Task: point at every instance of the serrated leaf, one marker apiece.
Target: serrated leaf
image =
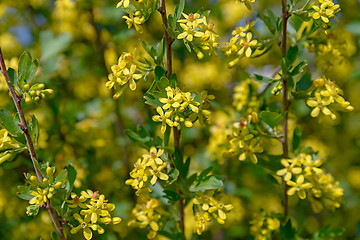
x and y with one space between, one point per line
12 126
271 118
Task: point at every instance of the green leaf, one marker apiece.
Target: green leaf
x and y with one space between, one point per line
34 129
296 138
54 236
304 83
292 54
13 76
207 183
271 118
171 195
186 168
285 65
270 20
72 173
326 233
179 9
264 79
173 80
287 232
24 193
178 160
12 126
27 68
167 136
290 83
298 69
62 176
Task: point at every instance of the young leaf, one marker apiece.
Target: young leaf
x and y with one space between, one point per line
12 126
292 54
179 9
27 68
271 118
62 176
34 129
179 160
13 76
24 193
171 195
207 183
72 173
263 79
304 83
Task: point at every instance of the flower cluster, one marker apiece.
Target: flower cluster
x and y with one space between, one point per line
42 191
128 70
241 44
247 3
327 94
7 145
65 15
94 212
207 206
243 143
324 12
304 176
199 33
141 12
147 213
147 170
36 92
182 108
244 97
263 226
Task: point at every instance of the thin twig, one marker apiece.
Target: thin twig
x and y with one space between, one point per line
169 41
286 103
23 125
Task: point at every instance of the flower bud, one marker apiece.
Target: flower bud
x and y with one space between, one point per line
45 180
58 185
26 87
50 195
34 179
51 189
49 172
116 220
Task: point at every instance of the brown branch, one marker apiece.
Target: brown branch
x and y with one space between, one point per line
169 41
286 103
23 125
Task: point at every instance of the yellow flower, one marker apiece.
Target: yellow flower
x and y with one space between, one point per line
221 210
189 32
77 201
131 76
291 167
247 3
191 20
136 21
299 186
124 3
319 104
326 11
246 45
173 98
86 225
155 155
95 210
201 218
163 118
156 173
40 196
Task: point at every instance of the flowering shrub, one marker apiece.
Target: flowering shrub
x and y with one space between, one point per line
156 119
